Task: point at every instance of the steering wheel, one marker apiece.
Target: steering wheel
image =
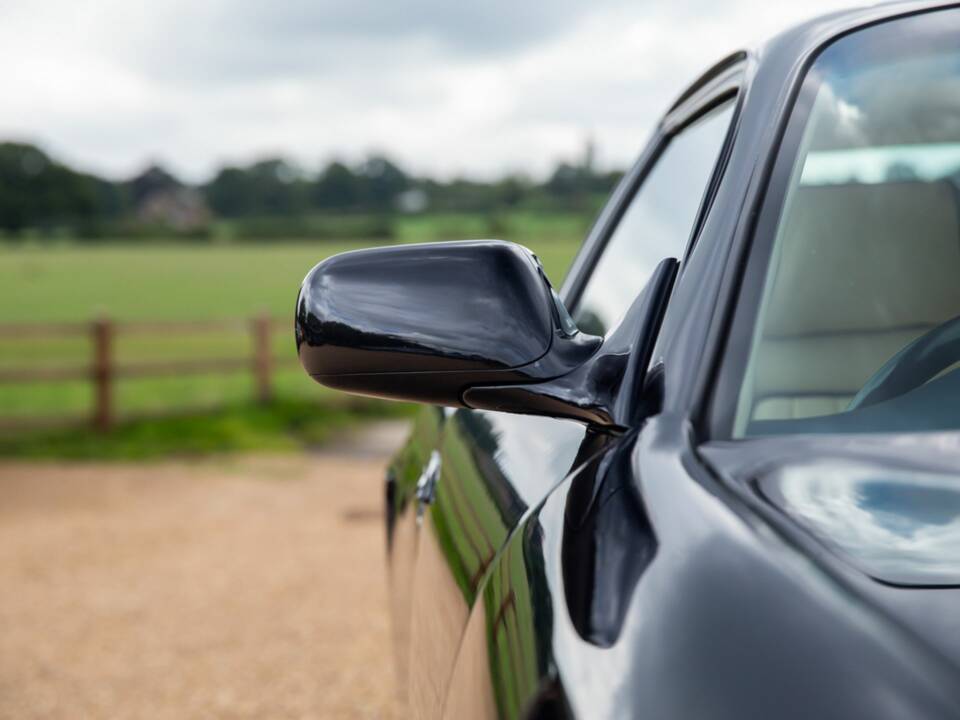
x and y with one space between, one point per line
921 360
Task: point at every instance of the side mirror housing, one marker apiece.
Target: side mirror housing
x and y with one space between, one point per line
468 324
427 322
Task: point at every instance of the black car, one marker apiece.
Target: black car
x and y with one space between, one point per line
718 474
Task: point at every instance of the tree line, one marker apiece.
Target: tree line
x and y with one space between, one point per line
43 197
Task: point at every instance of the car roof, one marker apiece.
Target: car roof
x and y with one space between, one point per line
802 39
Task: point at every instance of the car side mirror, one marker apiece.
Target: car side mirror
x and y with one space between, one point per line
464 324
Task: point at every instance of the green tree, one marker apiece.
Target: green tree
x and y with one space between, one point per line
381 182
272 186
35 191
337 187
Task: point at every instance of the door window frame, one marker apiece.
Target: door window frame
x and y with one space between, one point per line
721 84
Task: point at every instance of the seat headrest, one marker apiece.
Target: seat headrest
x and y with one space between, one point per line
865 258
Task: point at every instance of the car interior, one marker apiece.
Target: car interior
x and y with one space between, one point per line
860 271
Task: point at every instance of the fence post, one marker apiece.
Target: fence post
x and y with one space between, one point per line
262 360
102 335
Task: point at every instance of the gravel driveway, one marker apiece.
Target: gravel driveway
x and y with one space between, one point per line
234 587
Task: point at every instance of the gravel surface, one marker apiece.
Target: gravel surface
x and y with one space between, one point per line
236 587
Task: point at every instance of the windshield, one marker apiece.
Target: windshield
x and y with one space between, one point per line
857 326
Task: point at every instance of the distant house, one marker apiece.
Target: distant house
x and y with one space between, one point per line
160 199
181 209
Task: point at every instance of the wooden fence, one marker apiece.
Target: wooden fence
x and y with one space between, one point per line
103 370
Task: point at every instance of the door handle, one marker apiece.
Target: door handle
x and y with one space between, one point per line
427 484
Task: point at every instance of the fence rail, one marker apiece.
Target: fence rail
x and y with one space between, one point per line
103 371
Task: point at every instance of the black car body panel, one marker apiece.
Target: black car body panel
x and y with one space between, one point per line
724 621
917 590
628 565
495 469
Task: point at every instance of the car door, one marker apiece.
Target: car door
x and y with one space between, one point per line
468 478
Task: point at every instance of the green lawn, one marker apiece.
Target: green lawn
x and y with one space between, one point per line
169 281
176 281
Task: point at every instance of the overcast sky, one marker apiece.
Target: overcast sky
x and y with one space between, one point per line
446 87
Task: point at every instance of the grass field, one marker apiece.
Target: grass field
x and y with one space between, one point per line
175 281
166 281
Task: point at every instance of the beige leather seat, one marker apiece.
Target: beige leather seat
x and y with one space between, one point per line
861 271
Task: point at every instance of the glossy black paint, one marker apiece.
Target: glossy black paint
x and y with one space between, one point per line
565 570
472 324
607 541
719 624
603 390
495 468
427 322
899 559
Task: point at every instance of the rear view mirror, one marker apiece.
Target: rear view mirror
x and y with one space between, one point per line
427 322
470 324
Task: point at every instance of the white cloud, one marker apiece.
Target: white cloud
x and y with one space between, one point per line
894 524
111 85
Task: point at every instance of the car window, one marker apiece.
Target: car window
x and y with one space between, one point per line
856 329
656 224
